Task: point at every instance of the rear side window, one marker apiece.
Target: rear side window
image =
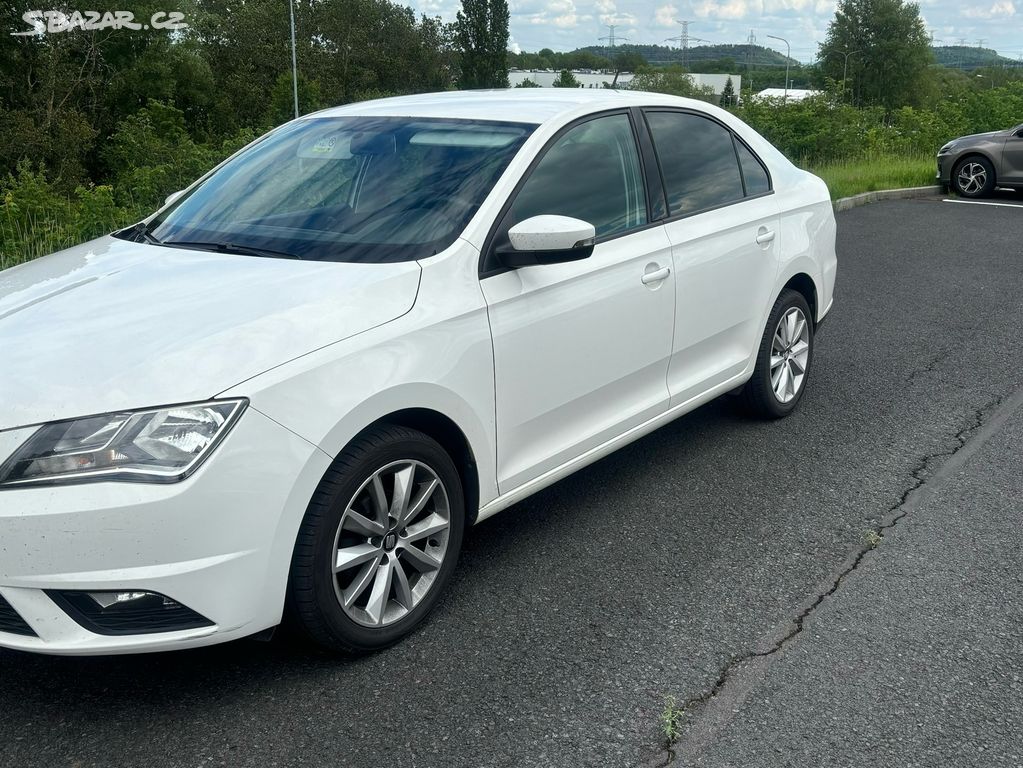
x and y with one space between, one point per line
697 160
591 173
757 180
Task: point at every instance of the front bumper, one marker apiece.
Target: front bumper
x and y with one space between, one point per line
944 175
219 542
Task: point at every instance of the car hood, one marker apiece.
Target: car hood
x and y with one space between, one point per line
111 324
981 136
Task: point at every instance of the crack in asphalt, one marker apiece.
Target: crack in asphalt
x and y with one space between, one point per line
924 474
931 366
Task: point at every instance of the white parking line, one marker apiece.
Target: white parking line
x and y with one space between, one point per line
981 202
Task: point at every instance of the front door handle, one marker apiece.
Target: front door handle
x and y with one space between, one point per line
656 275
764 236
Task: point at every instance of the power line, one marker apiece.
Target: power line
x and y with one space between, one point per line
610 37
684 40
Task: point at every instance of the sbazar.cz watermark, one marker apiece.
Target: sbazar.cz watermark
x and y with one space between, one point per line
52 22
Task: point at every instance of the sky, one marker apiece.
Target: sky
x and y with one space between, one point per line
563 25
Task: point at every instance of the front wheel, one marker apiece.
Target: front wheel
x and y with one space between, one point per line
974 177
379 541
783 359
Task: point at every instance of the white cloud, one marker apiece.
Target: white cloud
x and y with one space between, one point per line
721 9
997 9
666 15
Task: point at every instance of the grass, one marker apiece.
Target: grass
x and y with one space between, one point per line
851 177
671 720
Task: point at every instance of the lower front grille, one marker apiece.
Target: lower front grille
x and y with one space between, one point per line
11 622
127 613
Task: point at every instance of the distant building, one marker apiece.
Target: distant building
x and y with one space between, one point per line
795 94
589 78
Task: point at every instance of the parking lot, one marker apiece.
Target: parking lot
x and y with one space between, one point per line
720 561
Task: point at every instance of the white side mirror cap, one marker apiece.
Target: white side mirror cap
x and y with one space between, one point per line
551 233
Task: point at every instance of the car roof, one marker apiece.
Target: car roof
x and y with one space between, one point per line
518 105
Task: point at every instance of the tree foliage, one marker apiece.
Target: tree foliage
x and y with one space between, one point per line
673 80
481 38
888 52
566 80
727 94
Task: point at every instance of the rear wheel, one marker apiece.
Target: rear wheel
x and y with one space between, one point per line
379 541
974 177
783 359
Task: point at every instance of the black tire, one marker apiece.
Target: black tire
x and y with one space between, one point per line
312 604
758 397
984 189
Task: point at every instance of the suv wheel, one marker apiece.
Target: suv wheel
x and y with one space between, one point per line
974 177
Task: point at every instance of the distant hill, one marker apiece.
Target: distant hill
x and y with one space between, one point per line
735 58
967 57
758 56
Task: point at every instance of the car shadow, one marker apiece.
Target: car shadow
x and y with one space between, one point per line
111 685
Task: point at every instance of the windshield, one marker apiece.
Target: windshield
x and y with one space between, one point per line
360 189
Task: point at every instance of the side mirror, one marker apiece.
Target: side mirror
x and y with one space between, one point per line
173 196
547 240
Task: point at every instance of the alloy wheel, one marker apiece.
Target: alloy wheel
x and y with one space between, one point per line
391 543
790 354
972 178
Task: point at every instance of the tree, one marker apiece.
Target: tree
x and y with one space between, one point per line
883 48
527 83
673 80
566 80
481 38
627 61
727 94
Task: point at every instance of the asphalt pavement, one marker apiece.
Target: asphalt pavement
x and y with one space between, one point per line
724 562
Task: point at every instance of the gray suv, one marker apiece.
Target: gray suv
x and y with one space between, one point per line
972 166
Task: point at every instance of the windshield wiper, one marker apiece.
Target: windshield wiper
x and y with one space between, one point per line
142 230
243 250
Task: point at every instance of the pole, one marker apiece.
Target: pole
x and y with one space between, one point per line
788 57
294 57
845 72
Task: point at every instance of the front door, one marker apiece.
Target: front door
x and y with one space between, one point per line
581 349
1012 159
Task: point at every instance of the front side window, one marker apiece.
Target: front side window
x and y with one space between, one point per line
591 173
359 189
697 160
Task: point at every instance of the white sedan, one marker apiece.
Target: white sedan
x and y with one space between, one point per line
288 392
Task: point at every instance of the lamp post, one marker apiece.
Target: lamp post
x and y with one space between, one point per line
845 71
788 51
294 57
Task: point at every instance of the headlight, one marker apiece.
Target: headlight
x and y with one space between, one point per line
947 148
161 445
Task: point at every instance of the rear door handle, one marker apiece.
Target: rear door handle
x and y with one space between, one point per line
656 276
764 236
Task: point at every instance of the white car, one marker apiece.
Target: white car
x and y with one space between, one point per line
288 392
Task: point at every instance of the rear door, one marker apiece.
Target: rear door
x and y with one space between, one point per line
723 224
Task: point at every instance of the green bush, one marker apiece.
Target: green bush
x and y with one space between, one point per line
36 219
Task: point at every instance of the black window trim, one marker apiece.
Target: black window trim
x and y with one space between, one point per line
737 140
735 137
487 263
